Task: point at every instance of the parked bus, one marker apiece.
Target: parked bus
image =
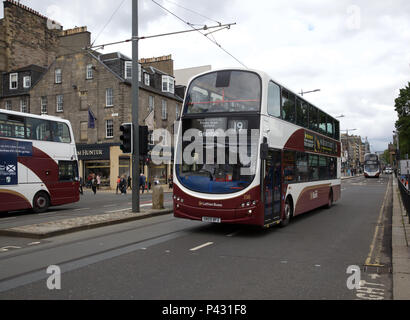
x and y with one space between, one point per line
286 163
372 166
38 162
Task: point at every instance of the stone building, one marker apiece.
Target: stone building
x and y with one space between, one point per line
29 38
16 86
93 91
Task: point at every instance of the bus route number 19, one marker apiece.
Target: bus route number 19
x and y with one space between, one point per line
226 310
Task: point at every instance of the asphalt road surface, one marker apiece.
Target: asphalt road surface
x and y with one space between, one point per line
168 258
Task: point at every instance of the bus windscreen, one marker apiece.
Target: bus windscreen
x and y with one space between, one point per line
224 91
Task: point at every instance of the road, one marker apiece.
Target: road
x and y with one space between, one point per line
166 258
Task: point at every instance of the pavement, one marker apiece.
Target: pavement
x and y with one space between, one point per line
60 227
400 247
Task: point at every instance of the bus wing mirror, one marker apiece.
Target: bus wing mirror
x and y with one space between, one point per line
264 151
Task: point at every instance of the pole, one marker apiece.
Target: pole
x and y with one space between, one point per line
135 108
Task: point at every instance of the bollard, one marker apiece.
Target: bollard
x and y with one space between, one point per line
157 198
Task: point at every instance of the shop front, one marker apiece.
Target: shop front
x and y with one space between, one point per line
95 159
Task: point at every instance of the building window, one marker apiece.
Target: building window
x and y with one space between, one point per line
84 130
58 76
44 108
8 105
164 110
89 74
146 79
60 103
14 81
109 97
26 82
168 84
109 129
151 104
128 69
23 105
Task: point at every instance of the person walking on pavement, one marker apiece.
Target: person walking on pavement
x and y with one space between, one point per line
123 185
94 184
129 182
81 185
98 181
143 180
118 184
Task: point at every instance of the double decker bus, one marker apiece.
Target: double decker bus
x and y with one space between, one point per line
38 162
371 165
249 151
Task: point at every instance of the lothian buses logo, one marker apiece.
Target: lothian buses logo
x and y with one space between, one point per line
210 204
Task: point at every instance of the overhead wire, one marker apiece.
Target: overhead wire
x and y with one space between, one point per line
191 25
108 22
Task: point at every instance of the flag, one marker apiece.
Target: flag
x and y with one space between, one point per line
91 119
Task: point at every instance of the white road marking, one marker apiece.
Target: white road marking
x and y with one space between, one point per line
233 234
202 246
5 249
34 243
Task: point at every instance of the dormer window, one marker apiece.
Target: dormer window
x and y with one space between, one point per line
168 84
27 82
14 77
146 79
128 69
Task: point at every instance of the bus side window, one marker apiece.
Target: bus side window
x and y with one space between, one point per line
274 100
289 166
288 106
313 118
313 167
61 132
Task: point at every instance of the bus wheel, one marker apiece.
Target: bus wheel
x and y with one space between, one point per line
330 200
41 202
288 213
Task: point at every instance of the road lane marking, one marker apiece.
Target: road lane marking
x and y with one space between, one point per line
376 233
34 243
5 249
201 246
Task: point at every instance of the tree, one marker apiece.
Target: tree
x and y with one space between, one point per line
403 124
385 157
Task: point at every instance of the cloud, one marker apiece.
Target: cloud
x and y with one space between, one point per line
356 52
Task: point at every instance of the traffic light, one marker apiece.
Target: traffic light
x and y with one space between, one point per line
143 140
126 138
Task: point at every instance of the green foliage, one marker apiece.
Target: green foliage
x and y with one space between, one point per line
385 157
403 124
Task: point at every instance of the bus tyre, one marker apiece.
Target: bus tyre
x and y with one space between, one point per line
288 214
41 202
330 200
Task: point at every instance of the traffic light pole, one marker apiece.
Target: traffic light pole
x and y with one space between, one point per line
135 108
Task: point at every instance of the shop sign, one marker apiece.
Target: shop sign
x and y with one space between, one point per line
93 152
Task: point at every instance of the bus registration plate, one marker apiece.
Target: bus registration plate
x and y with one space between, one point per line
211 220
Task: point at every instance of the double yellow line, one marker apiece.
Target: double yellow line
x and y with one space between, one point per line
379 227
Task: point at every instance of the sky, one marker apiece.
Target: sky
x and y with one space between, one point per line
355 52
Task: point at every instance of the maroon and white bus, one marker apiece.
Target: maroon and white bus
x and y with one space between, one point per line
38 162
293 150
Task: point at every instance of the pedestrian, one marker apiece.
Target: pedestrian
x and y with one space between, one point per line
81 185
129 182
143 180
98 181
118 184
171 182
94 184
123 185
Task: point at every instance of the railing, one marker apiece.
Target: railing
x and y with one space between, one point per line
405 192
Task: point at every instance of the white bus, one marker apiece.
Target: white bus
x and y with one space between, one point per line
296 152
38 162
372 166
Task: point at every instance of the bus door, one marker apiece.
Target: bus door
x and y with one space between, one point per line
272 186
